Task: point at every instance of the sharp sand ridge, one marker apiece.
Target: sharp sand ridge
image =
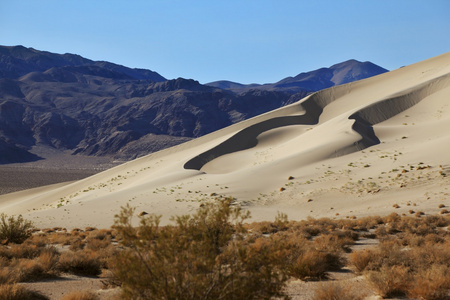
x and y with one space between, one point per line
353 150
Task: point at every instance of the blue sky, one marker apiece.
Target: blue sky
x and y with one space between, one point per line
247 41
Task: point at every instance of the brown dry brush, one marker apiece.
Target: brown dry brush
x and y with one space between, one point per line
414 263
205 256
37 258
18 292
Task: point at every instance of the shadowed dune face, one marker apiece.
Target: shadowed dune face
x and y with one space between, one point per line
247 138
313 106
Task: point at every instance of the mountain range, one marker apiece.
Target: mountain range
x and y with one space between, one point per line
71 103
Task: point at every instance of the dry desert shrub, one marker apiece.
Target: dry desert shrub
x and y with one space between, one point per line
335 291
281 223
14 230
104 255
368 223
309 265
79 263
49 259
420 270
390 281
98 240
81 295
20 251
301 258
78 244
63 238
431 284
21 270
18 292
361 259
335 242
5 275
203 257
40 240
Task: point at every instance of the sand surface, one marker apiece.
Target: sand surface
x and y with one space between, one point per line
353 150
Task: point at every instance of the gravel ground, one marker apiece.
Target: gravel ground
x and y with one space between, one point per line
13 179
55 167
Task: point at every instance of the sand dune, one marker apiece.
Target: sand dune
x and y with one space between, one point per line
352 150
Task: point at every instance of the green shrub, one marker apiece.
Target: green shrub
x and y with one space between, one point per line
14 230
205 256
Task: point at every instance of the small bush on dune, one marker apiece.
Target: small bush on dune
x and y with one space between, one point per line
14 230
18 292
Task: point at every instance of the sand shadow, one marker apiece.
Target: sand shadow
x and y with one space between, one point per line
313 105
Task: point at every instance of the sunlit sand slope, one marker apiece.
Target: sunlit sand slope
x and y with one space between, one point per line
375 146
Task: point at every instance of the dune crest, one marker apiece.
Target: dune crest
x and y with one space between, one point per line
354 149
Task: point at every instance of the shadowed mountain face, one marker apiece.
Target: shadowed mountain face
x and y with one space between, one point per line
98 108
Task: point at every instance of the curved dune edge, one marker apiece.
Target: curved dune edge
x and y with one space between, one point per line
351 150
313 105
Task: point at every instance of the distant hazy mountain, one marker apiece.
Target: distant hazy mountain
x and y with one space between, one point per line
99 108
312 81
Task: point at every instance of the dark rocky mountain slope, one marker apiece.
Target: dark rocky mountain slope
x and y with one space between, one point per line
74 104
345 72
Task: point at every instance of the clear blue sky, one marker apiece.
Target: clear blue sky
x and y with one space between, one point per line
245 41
